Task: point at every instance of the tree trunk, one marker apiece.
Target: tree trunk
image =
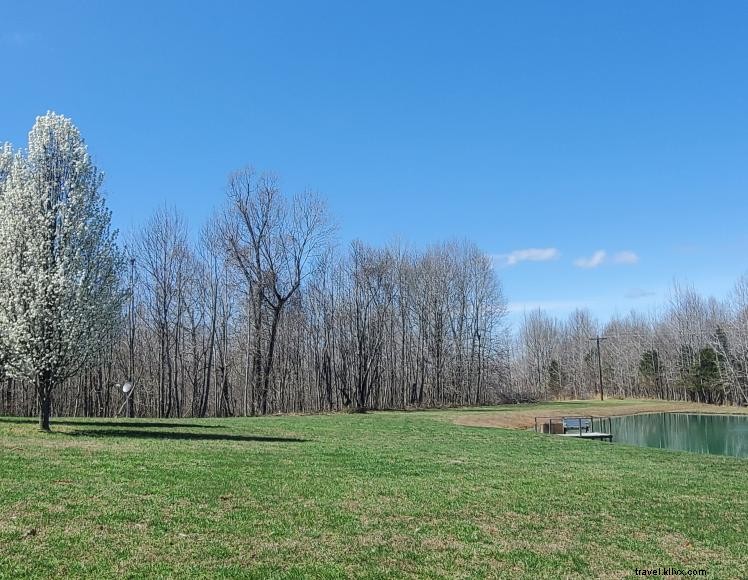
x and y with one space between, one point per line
44 412
269 361
45 401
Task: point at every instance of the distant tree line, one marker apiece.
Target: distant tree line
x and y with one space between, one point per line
264 312
694 349
264 315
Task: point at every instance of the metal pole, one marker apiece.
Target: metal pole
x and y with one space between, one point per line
600 368
131 361
597 339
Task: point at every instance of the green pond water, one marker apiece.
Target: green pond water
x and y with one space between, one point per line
720 434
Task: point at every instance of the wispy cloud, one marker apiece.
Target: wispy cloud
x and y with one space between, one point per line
526 255
595 260
625 257
636 293
600 257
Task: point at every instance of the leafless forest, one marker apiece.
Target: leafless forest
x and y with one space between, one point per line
694 348
265 312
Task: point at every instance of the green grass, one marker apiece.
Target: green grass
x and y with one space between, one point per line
382 495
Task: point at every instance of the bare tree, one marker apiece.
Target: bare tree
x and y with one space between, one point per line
163 256
275 242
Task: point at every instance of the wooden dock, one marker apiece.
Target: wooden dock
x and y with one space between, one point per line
590 435
580 427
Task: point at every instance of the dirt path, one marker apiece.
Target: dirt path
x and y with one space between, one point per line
524 417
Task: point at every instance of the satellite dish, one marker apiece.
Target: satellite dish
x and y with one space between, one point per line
127 387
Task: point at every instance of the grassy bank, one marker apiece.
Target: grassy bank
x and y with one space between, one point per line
523 416
376 495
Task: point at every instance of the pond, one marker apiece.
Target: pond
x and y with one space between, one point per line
719 434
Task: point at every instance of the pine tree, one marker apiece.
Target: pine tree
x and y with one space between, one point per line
59 262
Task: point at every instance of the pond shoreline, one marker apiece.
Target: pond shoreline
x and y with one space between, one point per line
524 416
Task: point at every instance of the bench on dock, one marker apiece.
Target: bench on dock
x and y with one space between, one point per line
582 427
581 424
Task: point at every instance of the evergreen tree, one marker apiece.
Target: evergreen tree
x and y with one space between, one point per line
650 370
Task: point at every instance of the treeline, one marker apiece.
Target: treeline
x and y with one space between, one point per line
263 314
695 349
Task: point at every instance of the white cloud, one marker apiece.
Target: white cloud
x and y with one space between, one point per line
625 257
593 261
527 255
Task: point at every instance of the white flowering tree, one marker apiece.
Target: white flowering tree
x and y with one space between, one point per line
59 262
7 158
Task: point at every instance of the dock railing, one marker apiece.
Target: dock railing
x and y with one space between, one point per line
583 426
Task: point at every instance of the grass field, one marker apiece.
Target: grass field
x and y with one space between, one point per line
381 495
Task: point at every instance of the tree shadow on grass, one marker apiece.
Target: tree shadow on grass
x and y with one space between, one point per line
105 423
181 436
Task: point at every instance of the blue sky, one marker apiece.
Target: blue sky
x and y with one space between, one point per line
567 128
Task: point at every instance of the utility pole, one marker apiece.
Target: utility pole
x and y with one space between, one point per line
598 339
131 340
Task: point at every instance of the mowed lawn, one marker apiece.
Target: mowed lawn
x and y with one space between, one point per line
381 495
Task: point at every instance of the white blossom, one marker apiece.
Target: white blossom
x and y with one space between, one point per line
59 261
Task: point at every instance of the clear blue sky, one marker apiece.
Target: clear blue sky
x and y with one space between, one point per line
569 127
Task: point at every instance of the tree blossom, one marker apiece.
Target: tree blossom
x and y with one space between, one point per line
59 262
